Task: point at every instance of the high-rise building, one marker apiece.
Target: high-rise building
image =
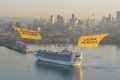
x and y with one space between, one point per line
60 20
59 24
73 21
36 23
118 15
117 18
110 18
51 20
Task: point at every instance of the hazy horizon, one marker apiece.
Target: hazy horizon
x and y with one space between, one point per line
44 8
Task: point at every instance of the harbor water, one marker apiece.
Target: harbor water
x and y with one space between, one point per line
100 63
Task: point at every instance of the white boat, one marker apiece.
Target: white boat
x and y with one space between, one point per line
64 57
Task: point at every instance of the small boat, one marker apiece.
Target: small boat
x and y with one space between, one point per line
64 57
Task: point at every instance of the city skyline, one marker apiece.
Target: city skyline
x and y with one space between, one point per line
44 8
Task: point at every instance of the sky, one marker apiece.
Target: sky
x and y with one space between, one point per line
44 8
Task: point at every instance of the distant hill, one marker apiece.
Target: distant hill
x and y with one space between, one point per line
17 19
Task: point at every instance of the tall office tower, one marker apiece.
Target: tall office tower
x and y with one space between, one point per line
73 21
51 20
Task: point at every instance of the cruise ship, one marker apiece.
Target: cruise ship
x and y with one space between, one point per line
64 57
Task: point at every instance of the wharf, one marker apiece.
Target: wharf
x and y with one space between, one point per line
7 39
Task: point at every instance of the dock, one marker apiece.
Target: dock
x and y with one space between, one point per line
7 39
12 42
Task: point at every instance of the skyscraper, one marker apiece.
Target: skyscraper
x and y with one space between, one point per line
118 18
72 21
51 20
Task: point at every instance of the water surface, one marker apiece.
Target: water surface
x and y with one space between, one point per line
101 63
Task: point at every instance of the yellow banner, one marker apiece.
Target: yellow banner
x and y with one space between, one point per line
90 41
30 34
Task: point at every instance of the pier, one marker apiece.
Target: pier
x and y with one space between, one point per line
7 39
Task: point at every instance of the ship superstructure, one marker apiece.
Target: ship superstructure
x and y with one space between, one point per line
64 57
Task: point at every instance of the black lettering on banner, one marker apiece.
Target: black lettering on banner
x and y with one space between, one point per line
22 32
89 41
33 33
30 33
83 43
93 39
